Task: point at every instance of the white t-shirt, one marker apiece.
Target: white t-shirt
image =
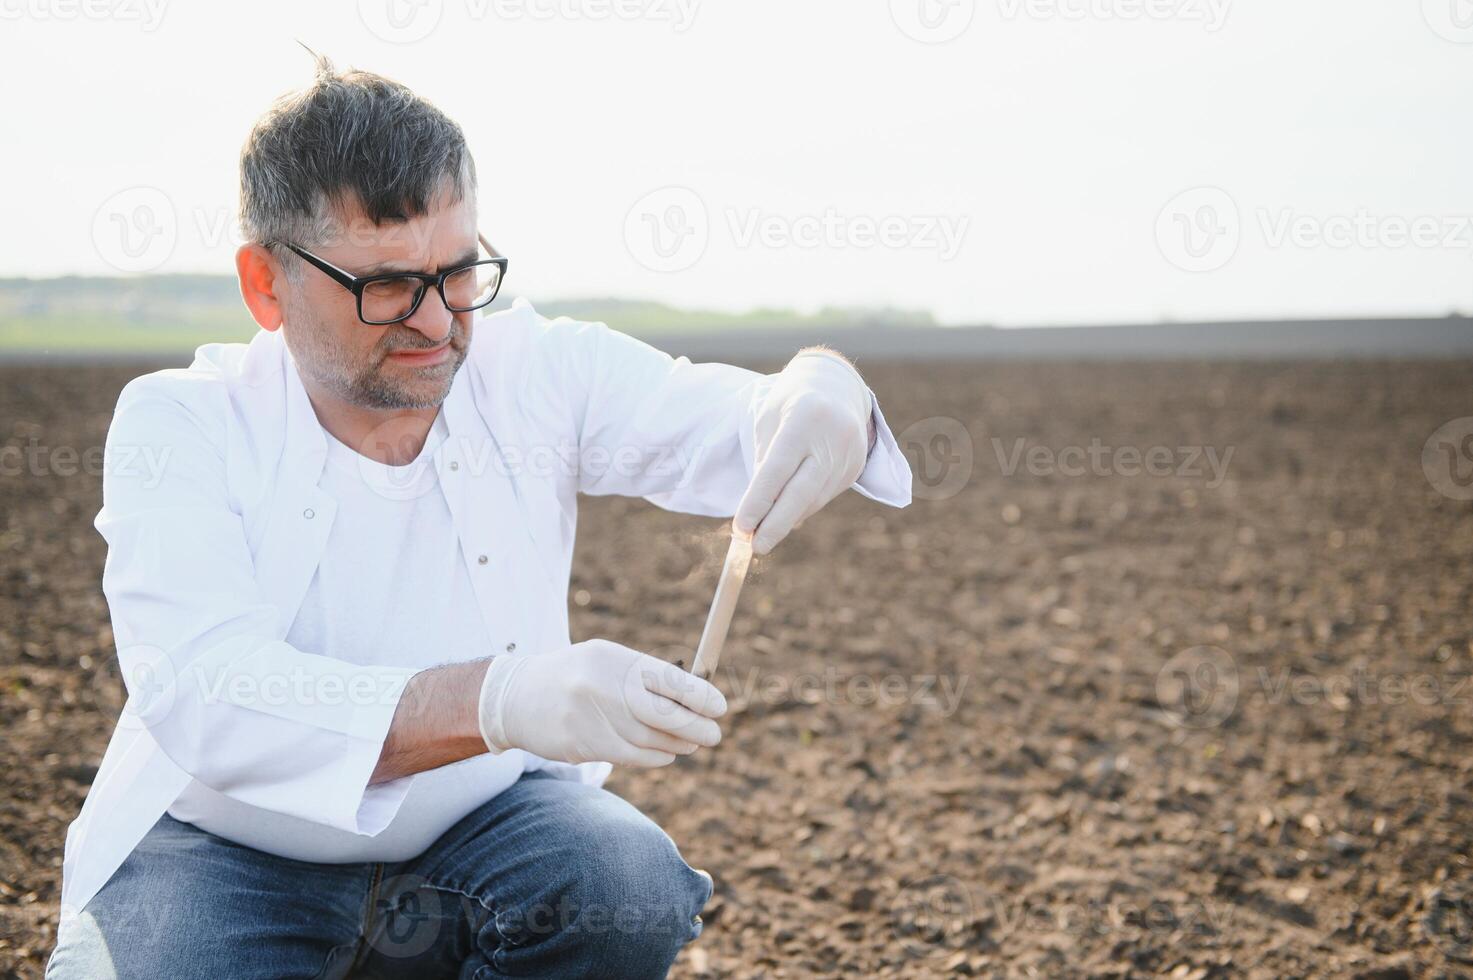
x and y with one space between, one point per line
393 589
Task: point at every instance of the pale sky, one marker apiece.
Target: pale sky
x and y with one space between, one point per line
1014 162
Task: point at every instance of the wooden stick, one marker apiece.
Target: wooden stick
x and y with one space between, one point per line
718 620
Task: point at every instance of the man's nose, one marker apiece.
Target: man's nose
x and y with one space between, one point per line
432 318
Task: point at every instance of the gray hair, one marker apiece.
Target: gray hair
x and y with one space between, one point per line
352 136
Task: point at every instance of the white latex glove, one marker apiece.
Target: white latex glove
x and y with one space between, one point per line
597 701
812 440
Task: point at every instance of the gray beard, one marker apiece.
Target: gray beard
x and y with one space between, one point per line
367 387
370 389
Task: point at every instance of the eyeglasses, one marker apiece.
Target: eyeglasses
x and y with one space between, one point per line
394 296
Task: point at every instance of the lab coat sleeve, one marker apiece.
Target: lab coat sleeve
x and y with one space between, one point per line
680 434
226 699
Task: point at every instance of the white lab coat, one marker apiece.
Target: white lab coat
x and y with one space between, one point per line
211 552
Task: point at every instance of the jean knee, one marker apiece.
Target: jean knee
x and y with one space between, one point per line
81 951
638 900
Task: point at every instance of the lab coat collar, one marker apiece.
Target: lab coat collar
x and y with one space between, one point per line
306 442
294 535
296 532
305 449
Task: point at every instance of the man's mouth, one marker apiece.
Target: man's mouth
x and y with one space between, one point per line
422 357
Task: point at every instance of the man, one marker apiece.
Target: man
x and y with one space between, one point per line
358 740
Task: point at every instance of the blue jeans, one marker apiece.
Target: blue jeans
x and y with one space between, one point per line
551 878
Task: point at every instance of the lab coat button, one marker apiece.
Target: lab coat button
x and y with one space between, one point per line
309 513
454 465
511 648
482 560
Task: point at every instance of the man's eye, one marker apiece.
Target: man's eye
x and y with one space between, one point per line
391 287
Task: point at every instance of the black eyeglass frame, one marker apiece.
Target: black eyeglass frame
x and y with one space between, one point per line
356 284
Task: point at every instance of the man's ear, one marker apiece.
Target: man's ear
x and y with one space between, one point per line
260 277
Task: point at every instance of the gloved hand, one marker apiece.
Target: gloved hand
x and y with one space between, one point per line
812 441
597 701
